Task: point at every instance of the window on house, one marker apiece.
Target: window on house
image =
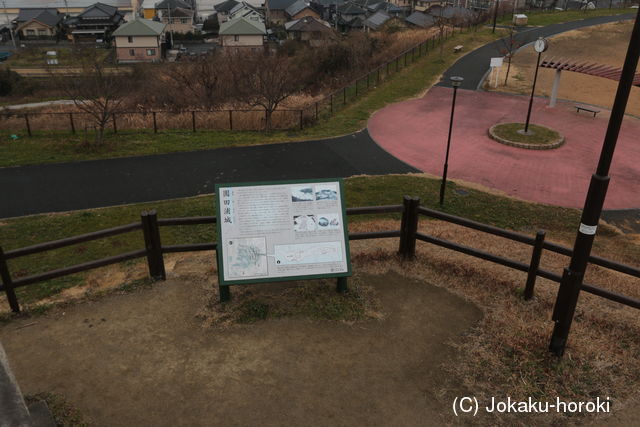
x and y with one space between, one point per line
31 32
130 39
42 32
183 20
151 52
132 52
236 38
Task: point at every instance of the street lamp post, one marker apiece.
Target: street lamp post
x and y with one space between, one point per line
572 277
455 82
495 15
540 46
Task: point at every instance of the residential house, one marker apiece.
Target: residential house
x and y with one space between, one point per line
178 15
381 20
223 9
327 8
351 17
140 40
420 20
247 11
452 15
390 8
276 11
300 9
310 30
37 23
96 22
242 34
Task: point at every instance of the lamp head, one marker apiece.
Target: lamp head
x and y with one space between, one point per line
456 81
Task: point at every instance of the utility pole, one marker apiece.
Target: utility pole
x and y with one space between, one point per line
6 15
573 276
495 15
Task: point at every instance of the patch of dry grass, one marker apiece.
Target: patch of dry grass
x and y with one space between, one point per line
506 355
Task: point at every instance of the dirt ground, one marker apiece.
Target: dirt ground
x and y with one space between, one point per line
145 359
150 357
602 44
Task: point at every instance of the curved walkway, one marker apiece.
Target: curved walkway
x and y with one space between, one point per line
416 131
97 183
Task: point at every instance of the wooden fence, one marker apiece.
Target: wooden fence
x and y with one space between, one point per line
410 209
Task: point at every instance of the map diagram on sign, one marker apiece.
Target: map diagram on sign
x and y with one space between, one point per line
246 257
307 253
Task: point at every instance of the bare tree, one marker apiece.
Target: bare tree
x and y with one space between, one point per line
204 82
98 89
266 80
511 45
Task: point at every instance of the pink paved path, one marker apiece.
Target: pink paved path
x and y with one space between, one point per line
415 131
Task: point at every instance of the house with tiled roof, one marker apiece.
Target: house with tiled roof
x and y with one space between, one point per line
310 30
140 40
37 23
420 20
300 9
275 11
96 22
242 34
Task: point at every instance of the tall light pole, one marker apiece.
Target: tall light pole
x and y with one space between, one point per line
540 46
495 15
455 82
572 277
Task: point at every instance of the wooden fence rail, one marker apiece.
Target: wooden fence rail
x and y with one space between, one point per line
408 234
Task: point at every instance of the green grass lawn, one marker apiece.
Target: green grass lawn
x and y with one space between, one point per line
61 146
37 57
541 19
488 208
538 134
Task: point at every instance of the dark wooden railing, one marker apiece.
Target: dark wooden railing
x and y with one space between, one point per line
410 210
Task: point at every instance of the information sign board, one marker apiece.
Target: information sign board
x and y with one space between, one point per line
278 231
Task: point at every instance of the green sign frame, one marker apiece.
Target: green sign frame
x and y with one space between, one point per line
220 247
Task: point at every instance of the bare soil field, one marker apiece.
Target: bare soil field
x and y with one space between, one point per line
602 44
440 327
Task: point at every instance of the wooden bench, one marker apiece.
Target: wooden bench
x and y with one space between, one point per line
457 49
588 109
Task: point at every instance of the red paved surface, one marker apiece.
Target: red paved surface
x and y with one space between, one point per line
415 131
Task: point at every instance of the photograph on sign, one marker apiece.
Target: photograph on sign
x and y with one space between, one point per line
281 231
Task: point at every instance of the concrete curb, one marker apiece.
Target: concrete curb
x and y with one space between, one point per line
547 146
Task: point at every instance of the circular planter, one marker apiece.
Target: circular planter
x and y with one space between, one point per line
540 138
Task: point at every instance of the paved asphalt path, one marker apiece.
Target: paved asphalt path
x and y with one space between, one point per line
475 65
89 184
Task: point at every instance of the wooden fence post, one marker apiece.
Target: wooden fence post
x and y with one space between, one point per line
155 123
8 284
300 119
152 243
115 127
533 265
408 227
73 126
26 119
230 119
193 120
